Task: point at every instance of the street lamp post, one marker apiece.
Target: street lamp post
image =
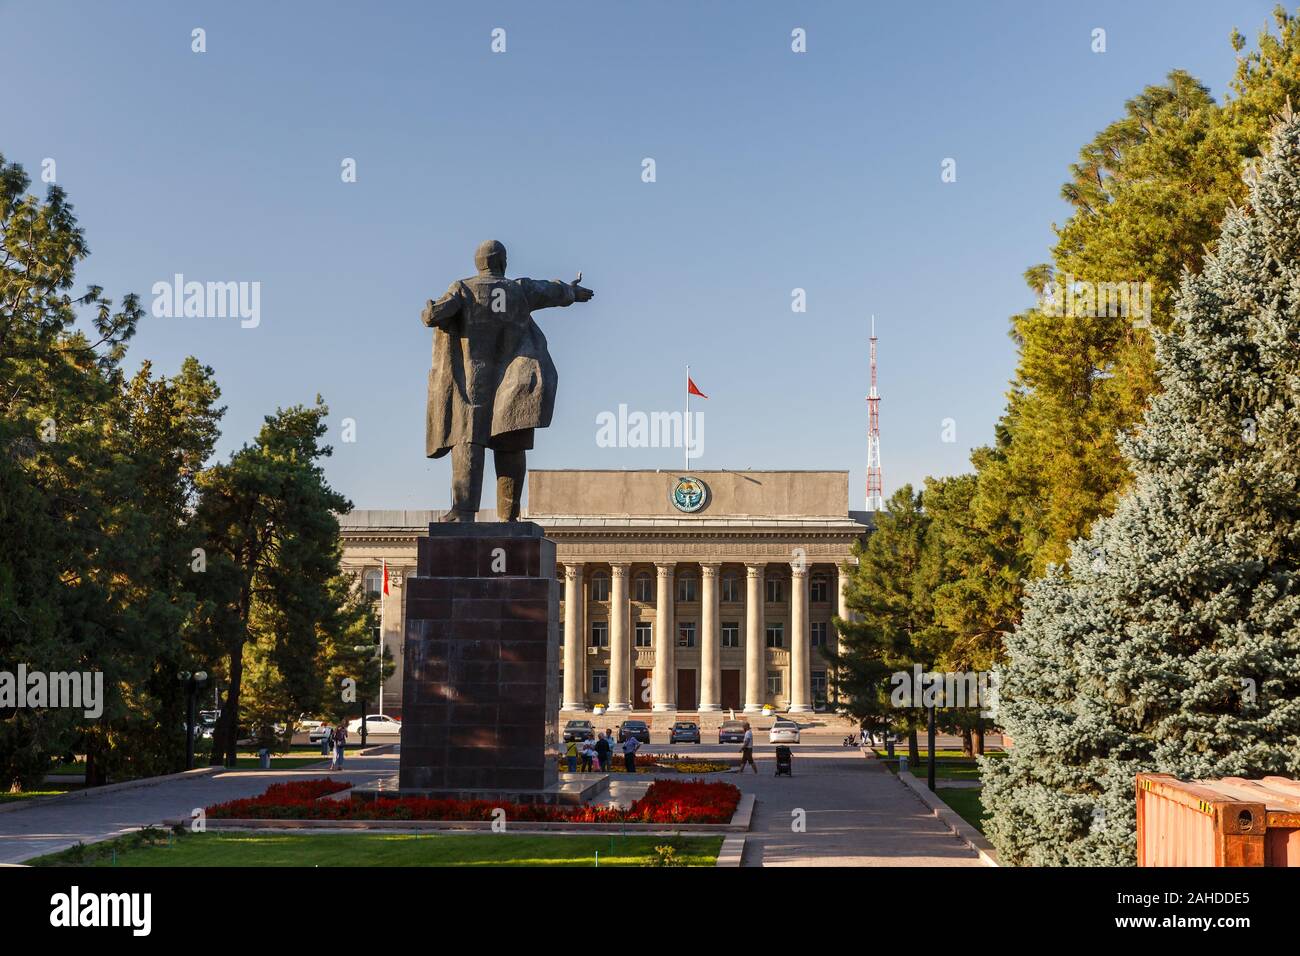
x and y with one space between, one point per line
929 737
192 682
360 648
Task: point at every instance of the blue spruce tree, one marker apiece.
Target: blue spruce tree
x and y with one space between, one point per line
1170 640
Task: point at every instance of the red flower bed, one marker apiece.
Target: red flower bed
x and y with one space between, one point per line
667 801
280 801
687 801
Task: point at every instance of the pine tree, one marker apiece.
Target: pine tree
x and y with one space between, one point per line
1170 642
890 592
269 523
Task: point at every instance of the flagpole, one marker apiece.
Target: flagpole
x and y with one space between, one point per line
382 595
688 419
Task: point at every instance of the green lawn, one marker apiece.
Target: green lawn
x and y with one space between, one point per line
943 769
28 794
966 802
155 848
302 757
948 764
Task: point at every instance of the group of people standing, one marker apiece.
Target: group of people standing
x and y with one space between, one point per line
597 753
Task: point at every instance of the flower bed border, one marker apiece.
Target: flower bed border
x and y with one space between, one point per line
739 822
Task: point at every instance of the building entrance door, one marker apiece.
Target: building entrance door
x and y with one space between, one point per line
641 684
730 690
686 689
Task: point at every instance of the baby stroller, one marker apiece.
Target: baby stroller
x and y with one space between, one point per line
783 762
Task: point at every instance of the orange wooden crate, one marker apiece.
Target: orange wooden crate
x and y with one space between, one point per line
1228 822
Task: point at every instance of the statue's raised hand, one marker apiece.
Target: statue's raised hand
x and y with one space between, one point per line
579 293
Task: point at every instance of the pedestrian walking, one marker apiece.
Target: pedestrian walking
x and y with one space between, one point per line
340 741
588 752
602 753
747 750
630 747
571 756
327 741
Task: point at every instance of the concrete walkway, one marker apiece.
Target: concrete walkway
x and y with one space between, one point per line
856 814
58 824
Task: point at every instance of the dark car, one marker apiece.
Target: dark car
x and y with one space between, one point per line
731 732
634 728
684 732
579 730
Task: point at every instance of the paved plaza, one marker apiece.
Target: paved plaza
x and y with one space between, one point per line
856 813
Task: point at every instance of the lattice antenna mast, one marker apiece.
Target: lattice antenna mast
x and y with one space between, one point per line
875 483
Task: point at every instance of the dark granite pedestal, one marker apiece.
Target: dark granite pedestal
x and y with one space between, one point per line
480 688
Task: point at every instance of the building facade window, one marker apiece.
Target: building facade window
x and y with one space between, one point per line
776 635
600 634
599 681
645 634
730 634
774 683
373 582
819 589
819 631
645 588
600 586
686 634
731 588
775 591
686 589
818 682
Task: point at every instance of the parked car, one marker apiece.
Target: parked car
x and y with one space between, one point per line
377 725
731 732
317 734
783 732
684 732
579 730
307 724
634 728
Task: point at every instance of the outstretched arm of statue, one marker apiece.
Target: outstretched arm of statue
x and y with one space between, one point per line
440 314
544 294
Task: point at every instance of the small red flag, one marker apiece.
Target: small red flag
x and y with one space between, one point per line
692 390
385 575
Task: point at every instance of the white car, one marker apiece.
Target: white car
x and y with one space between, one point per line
783 732
377 725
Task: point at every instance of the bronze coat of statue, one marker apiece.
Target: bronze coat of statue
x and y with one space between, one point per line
492 380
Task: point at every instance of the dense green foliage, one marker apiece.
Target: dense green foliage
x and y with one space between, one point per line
1170 642
105 495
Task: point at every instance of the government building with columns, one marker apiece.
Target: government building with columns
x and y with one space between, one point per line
702 593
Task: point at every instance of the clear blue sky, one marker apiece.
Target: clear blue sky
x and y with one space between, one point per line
775 171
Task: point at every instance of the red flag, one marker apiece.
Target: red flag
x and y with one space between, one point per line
692 390
385 575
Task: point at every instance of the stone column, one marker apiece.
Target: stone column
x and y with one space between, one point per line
665 675
842 579
800 677
845 614
393 628
620 650
710 640
755 678
574 646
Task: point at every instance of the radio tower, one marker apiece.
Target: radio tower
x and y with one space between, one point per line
875 485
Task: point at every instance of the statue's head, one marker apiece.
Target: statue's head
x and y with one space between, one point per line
490 258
